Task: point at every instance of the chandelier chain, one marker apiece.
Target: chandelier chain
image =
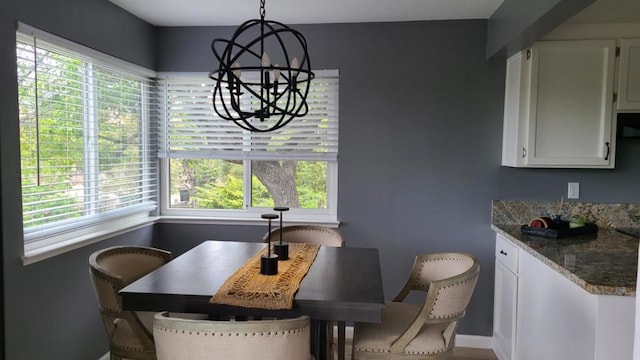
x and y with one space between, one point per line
262 11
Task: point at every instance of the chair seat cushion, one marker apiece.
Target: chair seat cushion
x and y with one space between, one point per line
396 317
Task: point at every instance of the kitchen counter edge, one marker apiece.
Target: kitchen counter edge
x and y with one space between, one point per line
591 288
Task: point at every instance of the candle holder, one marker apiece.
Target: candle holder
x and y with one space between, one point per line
269 262
281 248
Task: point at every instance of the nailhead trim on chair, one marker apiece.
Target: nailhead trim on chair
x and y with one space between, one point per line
286 230
116 252
438 297
417 285
128 251
267 333
406 352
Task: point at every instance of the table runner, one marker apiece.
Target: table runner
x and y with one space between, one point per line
248 288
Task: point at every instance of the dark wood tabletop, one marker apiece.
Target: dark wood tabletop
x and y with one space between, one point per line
343 284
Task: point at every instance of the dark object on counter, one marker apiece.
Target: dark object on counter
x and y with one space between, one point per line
562 230
631 231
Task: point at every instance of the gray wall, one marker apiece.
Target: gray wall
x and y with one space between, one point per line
619 185
420 142
49 308
420 134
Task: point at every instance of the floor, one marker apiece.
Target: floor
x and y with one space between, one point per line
459 354
473 354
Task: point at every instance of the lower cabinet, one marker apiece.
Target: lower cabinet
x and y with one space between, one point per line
505 299
504 313
540 314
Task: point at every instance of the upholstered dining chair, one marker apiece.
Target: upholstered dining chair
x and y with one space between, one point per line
307 234
188 339
427 330
316 235
130 333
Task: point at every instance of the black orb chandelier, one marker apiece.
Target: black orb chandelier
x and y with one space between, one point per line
271 100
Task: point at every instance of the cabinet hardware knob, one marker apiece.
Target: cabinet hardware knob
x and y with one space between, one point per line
524 153
606 157
503 252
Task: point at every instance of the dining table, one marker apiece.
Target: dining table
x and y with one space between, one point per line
342 284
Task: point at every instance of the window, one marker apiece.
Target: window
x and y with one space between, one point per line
85 140
216 169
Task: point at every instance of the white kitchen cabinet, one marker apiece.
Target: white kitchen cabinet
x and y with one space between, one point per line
558 317
559 105
540 314
629 75
505 300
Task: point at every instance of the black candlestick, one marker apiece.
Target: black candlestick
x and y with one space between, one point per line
282 249
269 262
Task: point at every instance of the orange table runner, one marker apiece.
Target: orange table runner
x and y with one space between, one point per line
248 288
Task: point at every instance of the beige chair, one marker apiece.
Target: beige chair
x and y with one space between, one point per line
427 330
316 235
307 234
112 269
187 339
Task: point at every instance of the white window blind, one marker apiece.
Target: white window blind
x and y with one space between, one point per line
191 130
85 137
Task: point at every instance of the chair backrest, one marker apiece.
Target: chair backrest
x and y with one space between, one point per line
307 234
286 339
113 268
449 279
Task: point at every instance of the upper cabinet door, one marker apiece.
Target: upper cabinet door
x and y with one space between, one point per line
629 80
571 104
559 105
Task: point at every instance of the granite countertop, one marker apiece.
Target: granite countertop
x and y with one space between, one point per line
605 263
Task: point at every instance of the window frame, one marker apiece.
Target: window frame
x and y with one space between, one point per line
43 242
249 215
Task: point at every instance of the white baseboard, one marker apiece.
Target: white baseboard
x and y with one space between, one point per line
474 341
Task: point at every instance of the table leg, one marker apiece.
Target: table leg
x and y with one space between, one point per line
341 336
319 341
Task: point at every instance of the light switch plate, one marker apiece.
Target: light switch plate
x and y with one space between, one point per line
573 191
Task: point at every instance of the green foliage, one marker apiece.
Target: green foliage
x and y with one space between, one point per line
260 196
311 180
217 184
224 194
70 135
211 183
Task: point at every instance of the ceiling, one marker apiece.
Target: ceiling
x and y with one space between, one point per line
609 11
234 12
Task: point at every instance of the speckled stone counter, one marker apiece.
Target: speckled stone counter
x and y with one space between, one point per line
602 264
605 263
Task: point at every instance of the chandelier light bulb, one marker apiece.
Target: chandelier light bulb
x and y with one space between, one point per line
276 73
265 60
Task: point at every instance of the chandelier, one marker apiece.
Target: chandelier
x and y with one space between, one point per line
257 91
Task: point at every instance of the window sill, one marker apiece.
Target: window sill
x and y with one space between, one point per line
35 253
239 221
